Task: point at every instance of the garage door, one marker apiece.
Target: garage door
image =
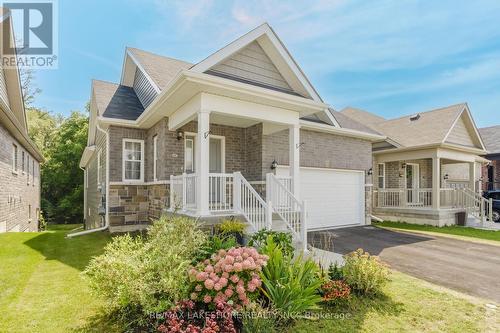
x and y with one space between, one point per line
334 197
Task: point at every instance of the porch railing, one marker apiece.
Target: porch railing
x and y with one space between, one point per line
250 204
220 192
290 210
183 191
403 198
462 198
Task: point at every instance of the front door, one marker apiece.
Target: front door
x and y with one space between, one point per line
412 182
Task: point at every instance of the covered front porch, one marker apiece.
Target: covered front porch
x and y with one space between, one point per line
428 186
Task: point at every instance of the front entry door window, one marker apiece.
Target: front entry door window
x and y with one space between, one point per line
412 182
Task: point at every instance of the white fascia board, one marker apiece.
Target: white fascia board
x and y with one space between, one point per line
341 131
450 146
86 155
312 105
248 110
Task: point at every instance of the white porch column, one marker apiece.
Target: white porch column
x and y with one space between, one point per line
294 140
472 176
202 161
436 182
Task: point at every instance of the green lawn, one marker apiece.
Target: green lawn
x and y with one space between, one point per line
42 291
490 235
41 286
409 305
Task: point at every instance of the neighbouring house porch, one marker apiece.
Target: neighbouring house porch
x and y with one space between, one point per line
428 187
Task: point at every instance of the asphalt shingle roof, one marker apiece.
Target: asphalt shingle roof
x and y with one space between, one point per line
431 127
116 101
161 69
491 138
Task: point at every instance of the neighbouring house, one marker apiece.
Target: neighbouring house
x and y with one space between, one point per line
491 171
241 133
19 157
429 167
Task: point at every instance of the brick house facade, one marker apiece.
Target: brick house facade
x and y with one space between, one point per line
153 125
19 157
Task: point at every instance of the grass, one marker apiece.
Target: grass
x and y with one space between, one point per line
409 305
490 235
43 291
41 286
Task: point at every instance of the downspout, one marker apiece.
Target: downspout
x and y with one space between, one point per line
106 218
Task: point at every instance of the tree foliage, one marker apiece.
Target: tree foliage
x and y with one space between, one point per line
62 178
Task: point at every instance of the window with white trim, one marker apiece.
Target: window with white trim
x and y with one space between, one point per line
189 154
14 158
381 175
22 161
99 166
27 169
133 160
155 157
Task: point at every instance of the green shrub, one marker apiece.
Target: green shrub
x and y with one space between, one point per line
335 272
289 284
141 275
364 273
231 226
212 245
282 239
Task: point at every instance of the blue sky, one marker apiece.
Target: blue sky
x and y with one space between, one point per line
388 57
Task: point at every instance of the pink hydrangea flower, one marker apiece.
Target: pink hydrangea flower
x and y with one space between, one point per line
198 288
228 292
217 286
209 284
207 299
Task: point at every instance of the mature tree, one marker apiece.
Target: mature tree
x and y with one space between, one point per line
62 179
42 127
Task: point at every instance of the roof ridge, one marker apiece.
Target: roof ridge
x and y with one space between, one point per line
158 55
488 127
106 81
428 111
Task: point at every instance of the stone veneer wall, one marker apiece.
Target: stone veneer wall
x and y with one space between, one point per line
18 191
128 204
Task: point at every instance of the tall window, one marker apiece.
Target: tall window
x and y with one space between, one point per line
99 153
155 157
133 160
33 174
14 158
189 154
27 168
381 175
22 161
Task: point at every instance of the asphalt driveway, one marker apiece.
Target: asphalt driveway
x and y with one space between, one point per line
464 266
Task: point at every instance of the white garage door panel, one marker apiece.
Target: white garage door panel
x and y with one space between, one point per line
334 197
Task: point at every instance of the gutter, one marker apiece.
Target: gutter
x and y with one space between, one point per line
106 217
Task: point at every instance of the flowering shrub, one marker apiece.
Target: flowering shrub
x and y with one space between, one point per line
231 275
185 318
364 272
335 292
141 275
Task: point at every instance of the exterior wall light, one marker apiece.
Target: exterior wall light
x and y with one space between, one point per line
274 165
403 165
446 177
370 172
180 135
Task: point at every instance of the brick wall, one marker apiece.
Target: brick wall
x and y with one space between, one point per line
116 136
320 150
393 170
19 192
